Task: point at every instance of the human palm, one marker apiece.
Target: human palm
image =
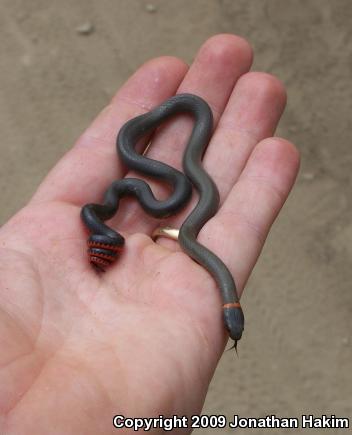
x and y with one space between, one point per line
144 338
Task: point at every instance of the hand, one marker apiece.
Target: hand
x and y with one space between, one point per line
144 338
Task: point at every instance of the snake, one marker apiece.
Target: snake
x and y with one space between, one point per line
105 244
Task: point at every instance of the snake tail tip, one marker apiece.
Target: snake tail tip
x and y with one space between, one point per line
102 253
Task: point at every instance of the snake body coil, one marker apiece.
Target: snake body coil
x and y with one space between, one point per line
104 244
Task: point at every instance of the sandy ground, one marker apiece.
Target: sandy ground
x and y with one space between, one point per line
296 357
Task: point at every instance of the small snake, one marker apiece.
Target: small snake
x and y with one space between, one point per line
104 244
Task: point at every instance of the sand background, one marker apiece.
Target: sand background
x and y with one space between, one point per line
296 357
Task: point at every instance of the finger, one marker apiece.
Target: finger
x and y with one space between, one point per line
238 231
252 114
213 74
85 172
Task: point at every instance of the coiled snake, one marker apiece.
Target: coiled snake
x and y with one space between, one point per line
105 244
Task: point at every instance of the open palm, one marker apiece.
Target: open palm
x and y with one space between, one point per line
144 338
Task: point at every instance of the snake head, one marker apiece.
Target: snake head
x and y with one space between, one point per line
234 320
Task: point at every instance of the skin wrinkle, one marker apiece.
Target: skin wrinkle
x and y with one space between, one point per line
142 108
16 320
16 250
99 145
150 300
263 85
157 70
133 289
221 180
101 153
87 309
235 133
162 157
264 183
20 329
230 130
19 217
109 134
83 366
35 380
153 273
93 294
40 365
174 127
242 221
18 357
95 147
130 218
114 287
